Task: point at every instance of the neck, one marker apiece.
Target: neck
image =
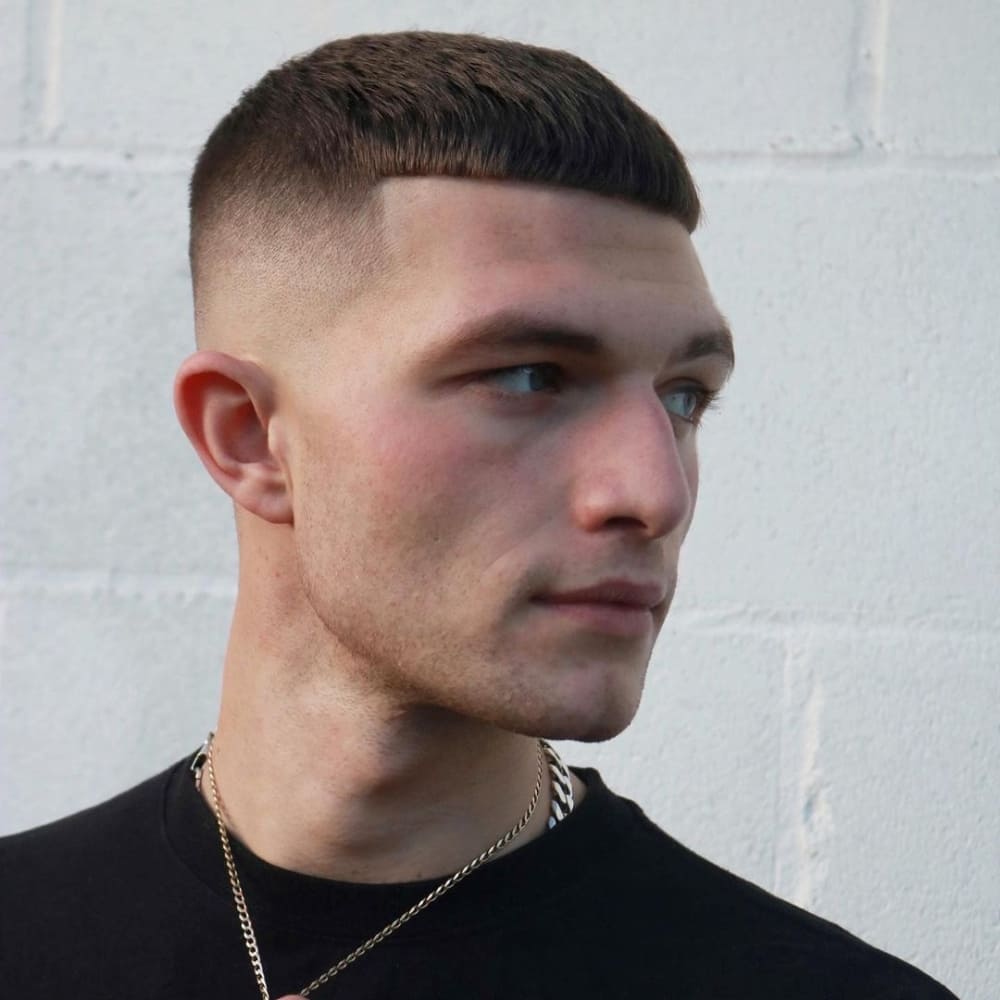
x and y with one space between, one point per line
322 775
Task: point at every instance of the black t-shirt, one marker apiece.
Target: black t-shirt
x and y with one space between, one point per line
130 899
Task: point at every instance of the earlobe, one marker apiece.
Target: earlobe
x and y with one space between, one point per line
226 407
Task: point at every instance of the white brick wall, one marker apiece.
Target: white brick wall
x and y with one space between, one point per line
821 713
942 78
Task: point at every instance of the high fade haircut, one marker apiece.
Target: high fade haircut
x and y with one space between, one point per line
301 153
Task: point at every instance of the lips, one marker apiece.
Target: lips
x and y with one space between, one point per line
619 592
622 608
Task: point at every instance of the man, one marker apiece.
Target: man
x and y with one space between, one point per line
454 344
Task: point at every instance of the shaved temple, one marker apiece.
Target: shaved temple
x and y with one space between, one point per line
268 278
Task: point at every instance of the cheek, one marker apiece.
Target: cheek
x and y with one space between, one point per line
690 466
438 480
418 464
691 470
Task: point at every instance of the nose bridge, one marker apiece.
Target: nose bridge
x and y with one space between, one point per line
631 467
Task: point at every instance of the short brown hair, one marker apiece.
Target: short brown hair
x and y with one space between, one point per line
319 132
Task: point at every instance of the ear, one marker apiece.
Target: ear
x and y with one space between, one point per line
226 407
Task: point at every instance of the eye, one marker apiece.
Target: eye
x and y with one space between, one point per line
525 380
689 402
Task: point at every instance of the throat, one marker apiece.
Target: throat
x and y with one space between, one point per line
393 832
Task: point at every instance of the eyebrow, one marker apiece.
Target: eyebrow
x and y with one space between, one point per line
713 343
514 330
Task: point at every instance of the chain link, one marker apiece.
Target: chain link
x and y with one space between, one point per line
234 880
243 913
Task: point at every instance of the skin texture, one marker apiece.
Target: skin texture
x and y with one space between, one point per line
403 505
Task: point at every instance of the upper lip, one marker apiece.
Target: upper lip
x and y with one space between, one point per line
617 591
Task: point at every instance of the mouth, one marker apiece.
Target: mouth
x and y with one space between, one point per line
613 607
624 620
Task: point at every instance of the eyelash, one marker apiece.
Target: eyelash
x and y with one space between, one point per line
708 399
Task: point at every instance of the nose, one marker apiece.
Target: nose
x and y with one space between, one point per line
634 469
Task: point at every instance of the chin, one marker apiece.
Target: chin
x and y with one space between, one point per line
585 720
589 728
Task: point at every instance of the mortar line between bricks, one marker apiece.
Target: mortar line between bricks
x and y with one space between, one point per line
866 81
880 56
778 833
114 582
867 160
52 92
790 624
98 160
33 80
814 820
798 857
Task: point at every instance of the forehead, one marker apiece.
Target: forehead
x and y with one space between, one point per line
460 224
457 250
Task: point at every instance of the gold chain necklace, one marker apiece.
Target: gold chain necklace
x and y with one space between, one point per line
250 939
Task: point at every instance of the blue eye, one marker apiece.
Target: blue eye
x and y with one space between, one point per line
684 402
526 380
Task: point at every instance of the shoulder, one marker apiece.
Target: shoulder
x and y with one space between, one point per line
68 857
729 930
95 893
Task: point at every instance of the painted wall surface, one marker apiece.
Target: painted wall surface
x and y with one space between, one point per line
821 714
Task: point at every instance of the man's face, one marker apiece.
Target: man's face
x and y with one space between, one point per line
509 419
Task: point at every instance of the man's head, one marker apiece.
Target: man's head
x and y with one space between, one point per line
455 343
